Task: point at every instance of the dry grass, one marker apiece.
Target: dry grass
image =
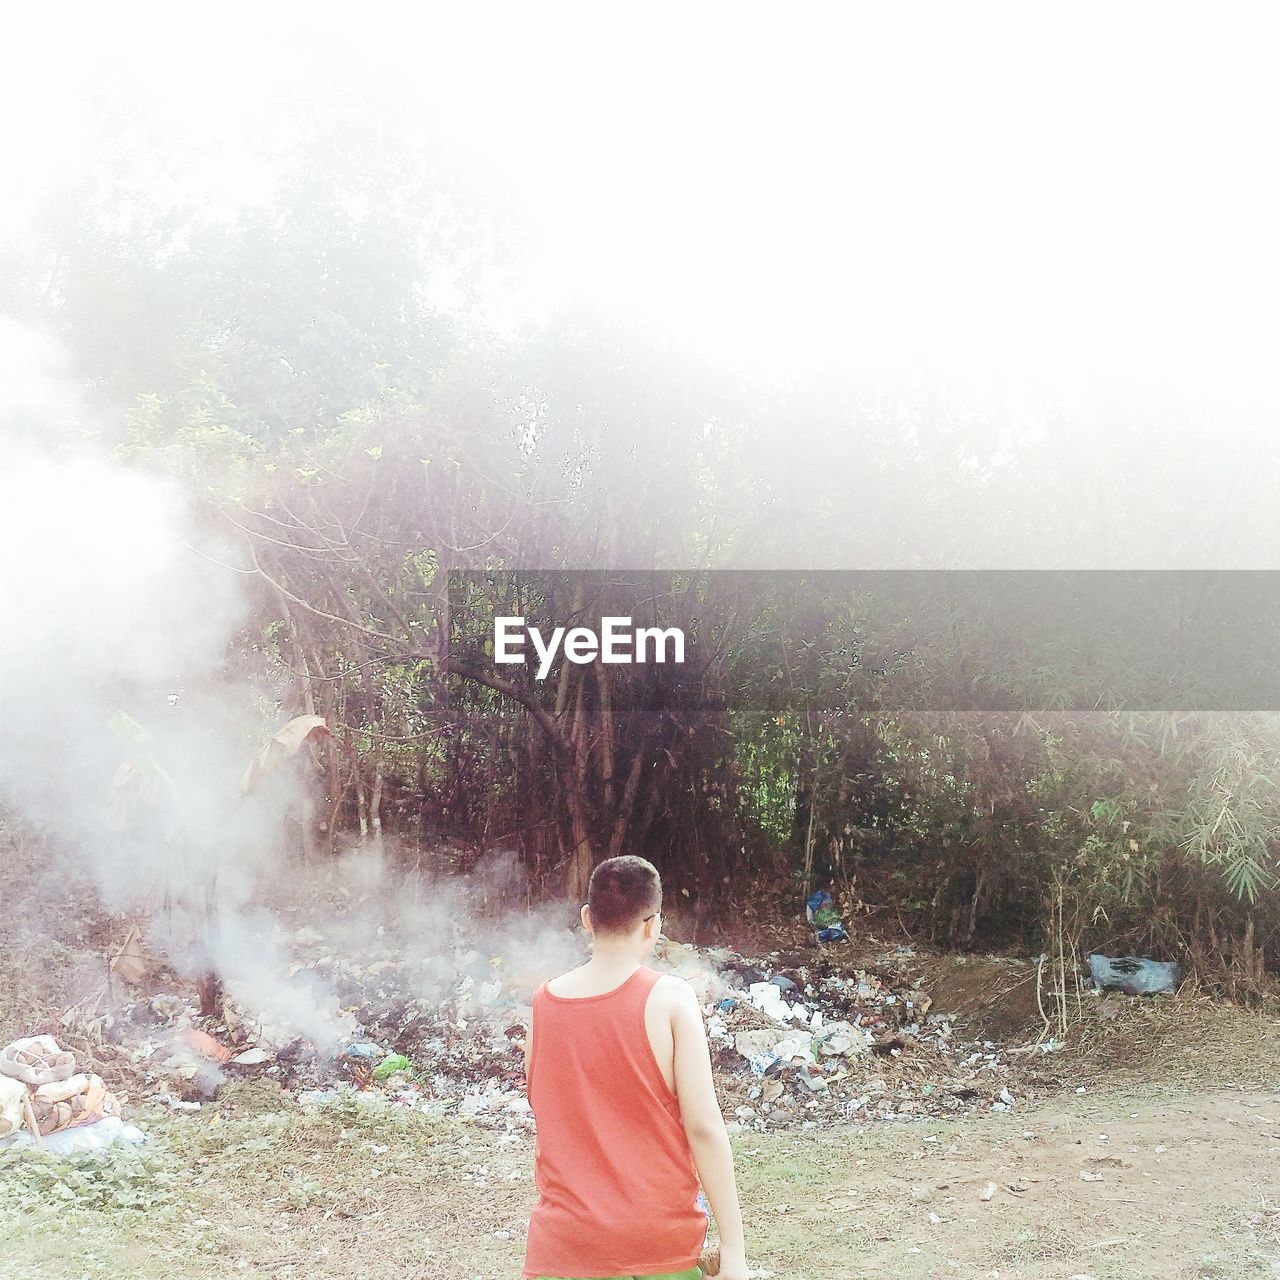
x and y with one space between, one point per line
1190 1039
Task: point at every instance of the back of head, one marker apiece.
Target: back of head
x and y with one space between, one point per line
622 892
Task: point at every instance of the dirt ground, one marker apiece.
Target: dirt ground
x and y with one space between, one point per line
1172 1180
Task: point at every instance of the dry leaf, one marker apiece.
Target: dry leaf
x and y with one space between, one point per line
283 745
131 962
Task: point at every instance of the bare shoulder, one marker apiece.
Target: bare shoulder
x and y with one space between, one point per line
674 994
566 984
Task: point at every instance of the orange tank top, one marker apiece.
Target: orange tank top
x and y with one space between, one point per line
617 1187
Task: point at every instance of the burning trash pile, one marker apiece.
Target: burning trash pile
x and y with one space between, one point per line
455 1043
46 1103
439 1033
437 1059
794 1040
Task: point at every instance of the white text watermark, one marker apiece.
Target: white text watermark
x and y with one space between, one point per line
617 642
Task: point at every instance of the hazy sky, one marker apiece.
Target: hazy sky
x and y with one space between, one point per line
1032 202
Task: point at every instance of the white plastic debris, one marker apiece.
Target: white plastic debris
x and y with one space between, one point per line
762 1048
843 1038
317 1097
177 1104
768 999
108 1132
13 1094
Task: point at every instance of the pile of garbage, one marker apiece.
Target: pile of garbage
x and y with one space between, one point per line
441 1033
797 1039
813 1041
435 1018
45 1102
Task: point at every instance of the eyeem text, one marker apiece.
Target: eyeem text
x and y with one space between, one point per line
618 641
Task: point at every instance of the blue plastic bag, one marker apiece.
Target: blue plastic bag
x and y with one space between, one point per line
822 914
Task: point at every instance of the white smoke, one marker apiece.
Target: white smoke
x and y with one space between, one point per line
116 601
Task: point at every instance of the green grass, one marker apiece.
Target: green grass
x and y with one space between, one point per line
237 1190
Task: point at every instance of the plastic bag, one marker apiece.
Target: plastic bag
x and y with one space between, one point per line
37 1060
12 1095
108 1132
390 1065
81 1100
822 914
1133 976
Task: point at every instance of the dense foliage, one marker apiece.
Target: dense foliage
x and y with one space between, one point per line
352 444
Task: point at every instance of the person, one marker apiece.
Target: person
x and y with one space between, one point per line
619 1080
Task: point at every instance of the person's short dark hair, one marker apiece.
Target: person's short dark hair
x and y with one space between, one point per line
621 892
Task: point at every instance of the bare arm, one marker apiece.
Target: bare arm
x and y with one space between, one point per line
528 1053
704 1127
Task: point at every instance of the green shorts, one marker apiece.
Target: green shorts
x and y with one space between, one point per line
694 1273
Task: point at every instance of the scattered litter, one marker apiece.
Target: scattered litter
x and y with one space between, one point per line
391 1065
801 1039
132 961
317 1097
798 1038
13 1097
843 1039
811 1081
